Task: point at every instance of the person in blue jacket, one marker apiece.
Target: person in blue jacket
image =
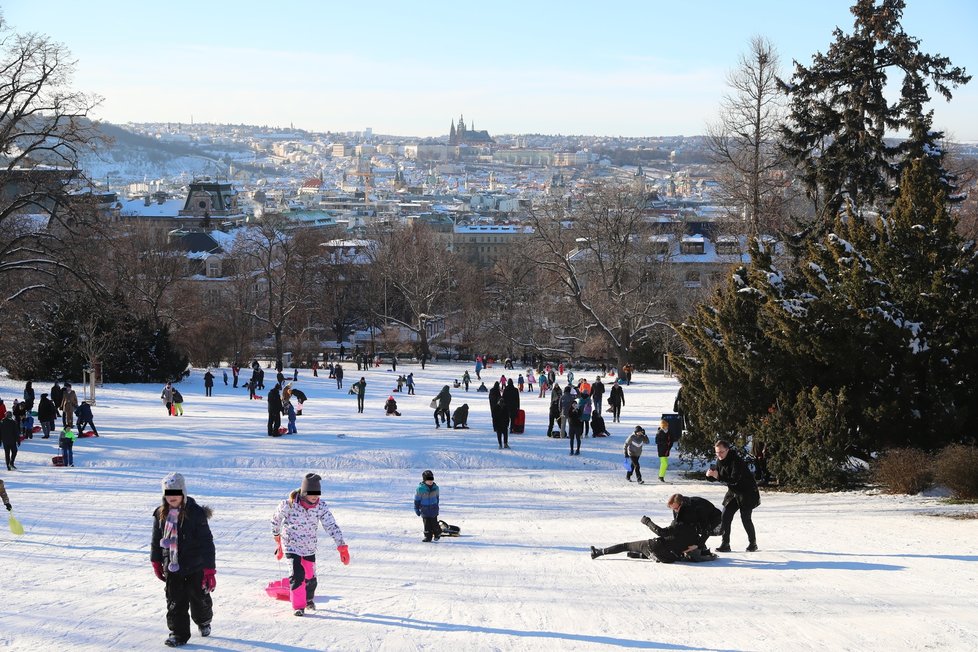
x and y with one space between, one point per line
426 506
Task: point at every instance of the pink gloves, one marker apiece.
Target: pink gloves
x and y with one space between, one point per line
158 570
344 554
278 549
210 581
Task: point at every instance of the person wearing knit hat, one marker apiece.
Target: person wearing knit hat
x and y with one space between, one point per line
183 557
390 407
295 526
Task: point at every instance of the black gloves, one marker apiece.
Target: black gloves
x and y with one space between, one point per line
8 506
647 522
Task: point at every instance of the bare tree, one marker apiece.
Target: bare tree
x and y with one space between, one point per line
743 140
608 279
281 265
419 276
43 122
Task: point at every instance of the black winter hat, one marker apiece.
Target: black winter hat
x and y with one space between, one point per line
311 485
427 475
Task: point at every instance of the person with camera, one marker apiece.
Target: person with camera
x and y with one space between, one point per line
742 493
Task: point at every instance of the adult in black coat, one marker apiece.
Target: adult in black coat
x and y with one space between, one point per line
511 397
46 413
57 395
190 577
616 399
597 391
671 543
29 396
697 512
500 415
274 411
10 437
208 383
742 493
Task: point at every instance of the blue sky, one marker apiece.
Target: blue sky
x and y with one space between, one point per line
605 68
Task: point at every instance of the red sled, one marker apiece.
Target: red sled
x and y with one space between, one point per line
279 589
57 460
282 431
36 429
86 434
519 423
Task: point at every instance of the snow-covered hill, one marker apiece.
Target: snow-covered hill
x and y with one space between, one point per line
845 571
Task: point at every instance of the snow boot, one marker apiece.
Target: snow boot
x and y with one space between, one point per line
205 630
173 641
723 547
310 606
752 547
299 612
595 552
641 481
628 476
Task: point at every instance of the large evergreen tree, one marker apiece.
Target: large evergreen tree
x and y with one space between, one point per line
840 114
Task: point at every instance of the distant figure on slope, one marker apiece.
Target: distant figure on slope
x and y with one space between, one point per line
209 383
616 399
274 411
663 444
633 451
460 417
295 527
390 407
442 403
426 506
500 417
85 418
182 554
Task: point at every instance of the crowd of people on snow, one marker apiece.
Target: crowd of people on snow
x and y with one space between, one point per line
22 421
182 546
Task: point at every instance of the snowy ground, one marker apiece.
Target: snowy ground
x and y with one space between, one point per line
851 571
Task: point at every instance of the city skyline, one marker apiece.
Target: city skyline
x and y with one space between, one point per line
618 69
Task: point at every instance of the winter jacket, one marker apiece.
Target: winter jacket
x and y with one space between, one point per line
700 513
444 398
634 443
566 402
741 486
177 396
298 526
663 442
208 379
597 390
46 410
56 395
274 403
426 500
500 418
511 397
84 412
617 395
9 431
195 544
69 401
167 395
584 408
29 395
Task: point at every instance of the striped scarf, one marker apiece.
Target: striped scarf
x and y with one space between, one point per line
170 536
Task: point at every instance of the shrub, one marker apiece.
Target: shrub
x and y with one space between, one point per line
808 440
904 471
956 467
